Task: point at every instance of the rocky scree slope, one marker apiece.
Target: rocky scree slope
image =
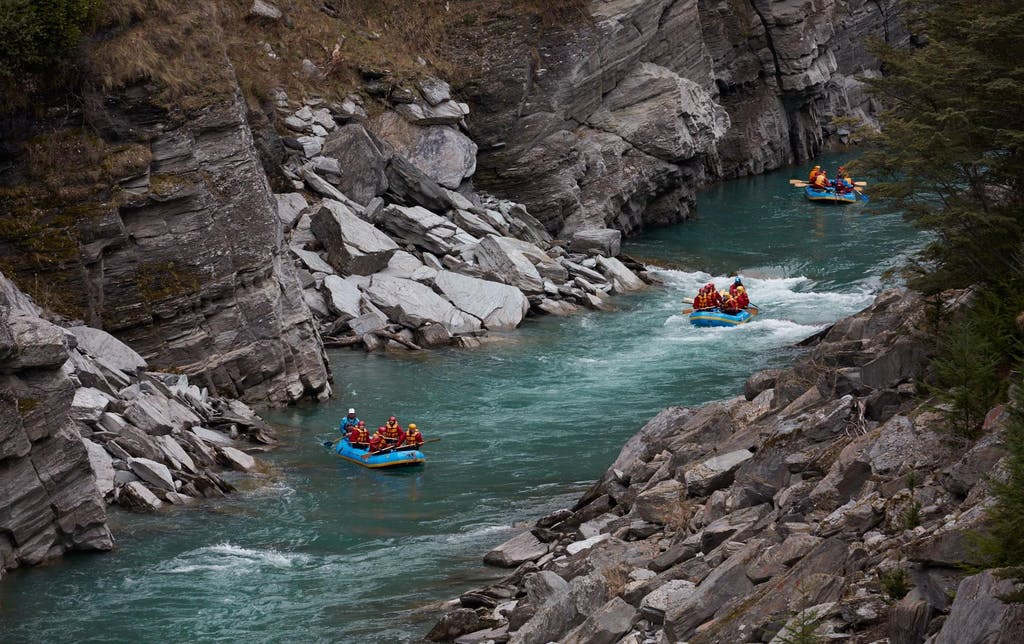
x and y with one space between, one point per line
83 424
827 498
394 248
614 120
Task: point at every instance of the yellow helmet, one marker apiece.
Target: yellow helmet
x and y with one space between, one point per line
412 425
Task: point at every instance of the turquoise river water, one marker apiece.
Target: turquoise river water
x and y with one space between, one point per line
319 550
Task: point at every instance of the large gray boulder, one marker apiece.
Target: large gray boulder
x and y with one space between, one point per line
517 550
599 241
727 581
503 257
715 473
101 345
353 245
446 113
979 615
362 159
409 185
623 280
102 466
443 153
497 305
605 626
343 295
418 226
156 474
412 304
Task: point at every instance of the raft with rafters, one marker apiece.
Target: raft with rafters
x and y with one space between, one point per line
389 458
718 317
830 196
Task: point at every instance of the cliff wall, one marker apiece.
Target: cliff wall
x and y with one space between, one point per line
615 120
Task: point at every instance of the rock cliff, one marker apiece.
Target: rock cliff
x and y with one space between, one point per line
50 501
827 500
83 424
612 121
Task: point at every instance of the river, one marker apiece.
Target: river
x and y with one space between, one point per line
319 550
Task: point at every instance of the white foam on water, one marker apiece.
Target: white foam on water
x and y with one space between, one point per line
227 557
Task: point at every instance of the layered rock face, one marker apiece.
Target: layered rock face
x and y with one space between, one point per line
827 498
49 499
613 122
182 259
83 424
192 275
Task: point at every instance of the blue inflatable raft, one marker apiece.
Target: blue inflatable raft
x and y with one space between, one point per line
392 458
830 196
718 317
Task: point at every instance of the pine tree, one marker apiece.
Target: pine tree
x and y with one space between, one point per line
951 149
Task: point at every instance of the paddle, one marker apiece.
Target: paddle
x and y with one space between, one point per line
393 447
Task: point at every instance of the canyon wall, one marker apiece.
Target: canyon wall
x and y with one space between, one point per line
614 121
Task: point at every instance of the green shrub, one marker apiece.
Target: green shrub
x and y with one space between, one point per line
33 33
1001 543
975 356
895 583
802 629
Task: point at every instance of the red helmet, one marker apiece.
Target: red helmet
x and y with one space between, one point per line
392 419
361 423
381 428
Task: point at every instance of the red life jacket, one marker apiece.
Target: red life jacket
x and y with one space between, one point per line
414 438
359 435
392 430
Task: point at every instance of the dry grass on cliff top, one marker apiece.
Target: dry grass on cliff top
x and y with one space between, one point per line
181 48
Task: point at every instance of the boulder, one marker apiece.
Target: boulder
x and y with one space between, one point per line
156 474
312 261
577 547
727 581
412 304
715 473
446 113
264 9
517 550
101 345
212 436
455 623
176 454
600 241
362 158
405 265
503 257
236 459
979 615
610 622
474 224
662 503
443 153
654 605
623 280
102 466
497 305
409 185
368 323
353 246
134 496
418 226
433 90
343 295
89 404
290 206
777 558
759 382
735 527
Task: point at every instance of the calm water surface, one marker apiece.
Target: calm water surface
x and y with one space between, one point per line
318 550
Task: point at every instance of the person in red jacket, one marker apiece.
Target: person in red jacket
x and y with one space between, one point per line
378 440
358 436
393 433
742 299
413 438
